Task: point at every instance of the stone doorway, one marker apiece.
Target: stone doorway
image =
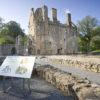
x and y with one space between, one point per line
13 51
59 51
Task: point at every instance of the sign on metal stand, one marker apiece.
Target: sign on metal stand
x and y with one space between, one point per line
17 67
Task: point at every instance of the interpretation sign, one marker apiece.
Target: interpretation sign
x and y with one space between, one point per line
17 66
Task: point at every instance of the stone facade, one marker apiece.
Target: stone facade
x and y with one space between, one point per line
51 36
16 49
7 49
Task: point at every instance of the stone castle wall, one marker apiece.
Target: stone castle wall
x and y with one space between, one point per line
80 89
14 49
51 36
7 49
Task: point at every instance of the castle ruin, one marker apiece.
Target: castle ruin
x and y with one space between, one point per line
46 36
51 36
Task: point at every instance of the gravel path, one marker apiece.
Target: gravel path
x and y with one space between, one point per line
41 90
92 76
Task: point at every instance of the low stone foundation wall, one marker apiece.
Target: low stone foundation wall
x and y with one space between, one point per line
89 63
81 89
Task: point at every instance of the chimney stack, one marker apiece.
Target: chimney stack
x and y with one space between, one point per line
69 22
45 12
54 14
32 10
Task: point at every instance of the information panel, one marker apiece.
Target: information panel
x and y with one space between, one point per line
17 66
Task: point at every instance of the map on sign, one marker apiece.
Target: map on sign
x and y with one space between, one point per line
17 66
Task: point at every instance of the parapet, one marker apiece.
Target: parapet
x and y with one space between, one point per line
41 14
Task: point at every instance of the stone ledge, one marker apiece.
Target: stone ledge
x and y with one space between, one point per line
89 64
81 89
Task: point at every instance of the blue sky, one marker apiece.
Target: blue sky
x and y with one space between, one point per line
19 10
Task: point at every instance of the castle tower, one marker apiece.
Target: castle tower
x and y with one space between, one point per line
31 23
71 35
45 12
51 36
44 34
54 14
69 32
69 22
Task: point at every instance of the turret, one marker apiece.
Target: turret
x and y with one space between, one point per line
31 16
69 22
54 14
32 11
31 21
45 12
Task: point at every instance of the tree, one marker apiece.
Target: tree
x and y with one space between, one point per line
9 31
24 40
5 40
12 29
96 31
1 23
85 27
95 41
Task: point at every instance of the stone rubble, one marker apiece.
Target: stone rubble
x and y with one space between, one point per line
89 64
81 89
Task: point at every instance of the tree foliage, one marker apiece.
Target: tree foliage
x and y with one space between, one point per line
95 41
1 23
12 29
24 40
5 40
9 31
88 29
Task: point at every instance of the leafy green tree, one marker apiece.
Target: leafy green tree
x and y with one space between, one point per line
0 20
96 31
5 40
12 29
85 27
95 41
24 40
9 31
1 23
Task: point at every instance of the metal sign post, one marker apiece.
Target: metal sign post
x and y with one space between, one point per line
14 69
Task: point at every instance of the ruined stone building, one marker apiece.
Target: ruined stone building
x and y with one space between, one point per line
46 36
13 49
50 36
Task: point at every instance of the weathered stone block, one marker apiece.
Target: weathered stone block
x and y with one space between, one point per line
80 89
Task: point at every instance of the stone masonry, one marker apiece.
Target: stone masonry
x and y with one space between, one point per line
18 48
80 89
51 36
89 63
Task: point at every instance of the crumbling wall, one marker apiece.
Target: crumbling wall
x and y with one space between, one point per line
80 89
51 36
89 63
7 49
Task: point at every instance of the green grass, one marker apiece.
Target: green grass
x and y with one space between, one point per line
96 52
